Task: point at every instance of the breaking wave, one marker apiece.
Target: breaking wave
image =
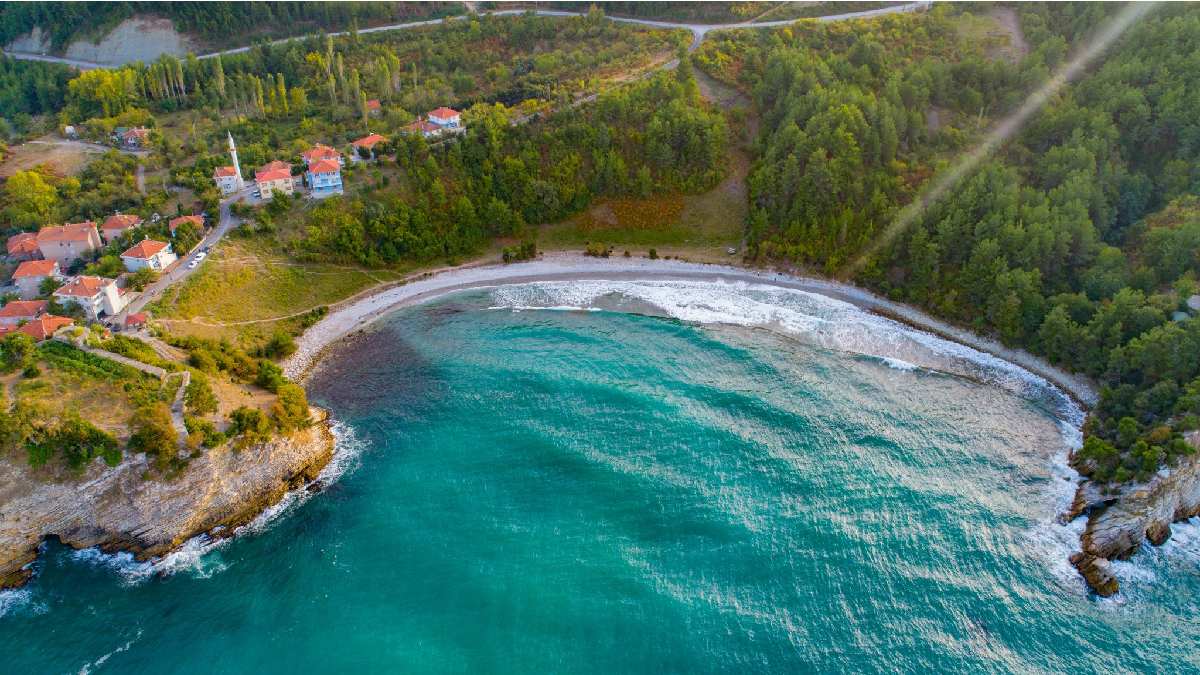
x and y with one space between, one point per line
192 556
821 320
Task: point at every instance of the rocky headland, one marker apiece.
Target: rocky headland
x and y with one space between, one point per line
126 509
1120 521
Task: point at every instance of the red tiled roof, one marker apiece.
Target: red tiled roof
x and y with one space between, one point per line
373 104
23 309
69 232
368 142
325 166
136 132
319 151
443 112
121 221
45 326
35 268
272 175
224 171
25 242
135 319
83 287
144 249
176 222
422 126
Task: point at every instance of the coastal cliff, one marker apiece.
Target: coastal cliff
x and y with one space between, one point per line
1118 523
120 509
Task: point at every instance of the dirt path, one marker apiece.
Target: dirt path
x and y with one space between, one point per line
1007 18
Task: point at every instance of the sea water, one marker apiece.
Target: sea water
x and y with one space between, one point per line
660 477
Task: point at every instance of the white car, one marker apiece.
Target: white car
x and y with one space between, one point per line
192 265
200 256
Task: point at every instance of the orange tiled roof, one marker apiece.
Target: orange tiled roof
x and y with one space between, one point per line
443 112
224 171
324 166
121 221
44 326
68 232
373 104
319 151
23 309
83 287
145 248
25 242
369 142
176 222
35 268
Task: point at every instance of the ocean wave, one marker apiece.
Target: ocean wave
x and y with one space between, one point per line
87 667
19 599
824 321
193 556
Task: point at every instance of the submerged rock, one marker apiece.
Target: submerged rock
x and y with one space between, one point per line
1118 524
120 509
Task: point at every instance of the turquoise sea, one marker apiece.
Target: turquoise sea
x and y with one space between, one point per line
603 477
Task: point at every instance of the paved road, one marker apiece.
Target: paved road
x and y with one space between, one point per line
225 222
699 31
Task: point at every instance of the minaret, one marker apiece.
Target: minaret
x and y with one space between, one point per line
236 166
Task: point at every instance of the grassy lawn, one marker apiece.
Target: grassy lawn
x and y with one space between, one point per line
244 280
103 402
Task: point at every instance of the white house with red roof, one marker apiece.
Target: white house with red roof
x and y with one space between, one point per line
426 129
148 254
44 326
30 274
446 118
97 296
116 225
23 246
67 243
22 310
135 138
324 177
274 177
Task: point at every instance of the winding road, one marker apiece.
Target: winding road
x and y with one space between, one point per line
698 30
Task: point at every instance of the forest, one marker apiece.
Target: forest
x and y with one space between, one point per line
65 22
450 200
1077 241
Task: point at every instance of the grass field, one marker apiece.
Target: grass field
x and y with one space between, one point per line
245 291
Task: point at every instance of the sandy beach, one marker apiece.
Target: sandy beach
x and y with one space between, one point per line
359 312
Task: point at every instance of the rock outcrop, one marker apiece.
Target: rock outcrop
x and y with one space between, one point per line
1119 523
123 509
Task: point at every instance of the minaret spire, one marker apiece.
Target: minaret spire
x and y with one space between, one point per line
233 154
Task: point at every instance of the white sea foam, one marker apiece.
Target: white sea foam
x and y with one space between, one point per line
87 667
824 321
19 599
194 556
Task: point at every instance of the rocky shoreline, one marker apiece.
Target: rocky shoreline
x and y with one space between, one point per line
1119 523
120 509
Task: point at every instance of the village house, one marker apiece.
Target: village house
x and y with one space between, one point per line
229 178
426 129
68 243
116 225
174 223
367 143
274 177
23 246
446 118
134 138
44 327
30 274
374 107
325 177
148 253
18 311
97 296
319 152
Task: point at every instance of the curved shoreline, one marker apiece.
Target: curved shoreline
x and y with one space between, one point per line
360 311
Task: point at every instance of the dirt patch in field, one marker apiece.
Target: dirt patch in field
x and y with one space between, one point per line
66 159
1007 19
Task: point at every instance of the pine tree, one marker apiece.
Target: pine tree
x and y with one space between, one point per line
219 76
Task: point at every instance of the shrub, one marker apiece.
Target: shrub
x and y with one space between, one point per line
290 409
199 397
154 433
